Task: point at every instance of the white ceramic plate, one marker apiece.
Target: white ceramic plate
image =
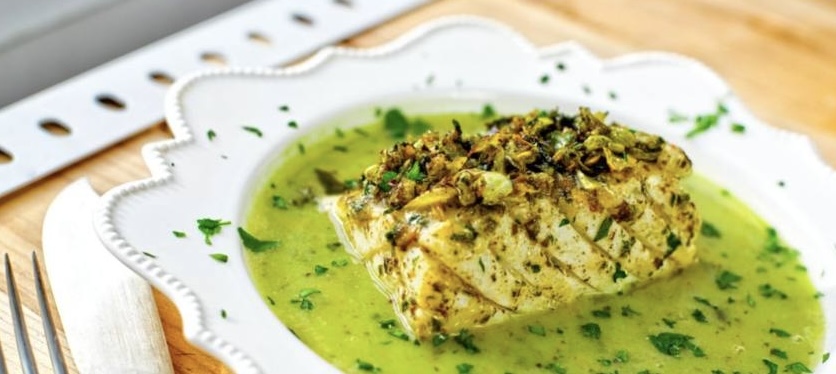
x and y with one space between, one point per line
452 64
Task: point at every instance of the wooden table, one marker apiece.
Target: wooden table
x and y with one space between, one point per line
778 55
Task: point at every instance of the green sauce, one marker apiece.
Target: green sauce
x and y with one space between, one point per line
739 303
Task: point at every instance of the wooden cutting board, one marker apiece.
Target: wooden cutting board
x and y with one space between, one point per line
778 55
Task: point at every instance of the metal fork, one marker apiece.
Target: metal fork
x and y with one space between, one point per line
24 348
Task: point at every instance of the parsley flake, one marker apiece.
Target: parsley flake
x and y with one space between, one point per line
284 108
738 128
544 79
727 280
778 353
211 135
255 130
219 257
797 368
464 368
366 366
210 227
779 333
279 202
603 229
293 124
414 173
699 316
537 330
591 330
619 273
773 367
254 244
465 339
709 230
320 270
179 234
672 344
488 111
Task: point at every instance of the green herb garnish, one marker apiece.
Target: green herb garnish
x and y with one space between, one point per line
219 257
604 229
284 108
464 368
727 280
210 227
211 135
179 234
488 111
778 353
537 330
709 230
366 366
672 344
254 244
773 367
779 333
602 313
320 270
626 311
699 316
223 313
304 300
465 339
738 128
619 273
293 124
591 330
279 202
395 123
254 130
414 173
797 368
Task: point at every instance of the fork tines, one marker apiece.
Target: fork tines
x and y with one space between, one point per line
24 347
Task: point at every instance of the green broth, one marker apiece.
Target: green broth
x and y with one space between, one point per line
737 328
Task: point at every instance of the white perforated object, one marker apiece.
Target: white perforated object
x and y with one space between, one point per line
263 33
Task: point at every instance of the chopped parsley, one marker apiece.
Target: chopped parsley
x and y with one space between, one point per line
672 344
339 263
254 244
673 243
727 280
779 333
279 202
397 333
626 311
385 180
560 66
699 316
387 324
219 257
797 368
738 128
304 300
395 123
293 124
709 230
591 330
537 330
669 322
148 254
465 339
254 130
488 111
223 313
340 148
778 353
414 173
613 95
211 135
284 108
555 368
604 229
439 339
179 234
301 148
544 79
210 227
766 290
773 367
464 368
705 122
563 222
619 273
366 366
320 270
825 357
602 313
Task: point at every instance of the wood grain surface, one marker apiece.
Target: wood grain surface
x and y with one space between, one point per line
778 55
